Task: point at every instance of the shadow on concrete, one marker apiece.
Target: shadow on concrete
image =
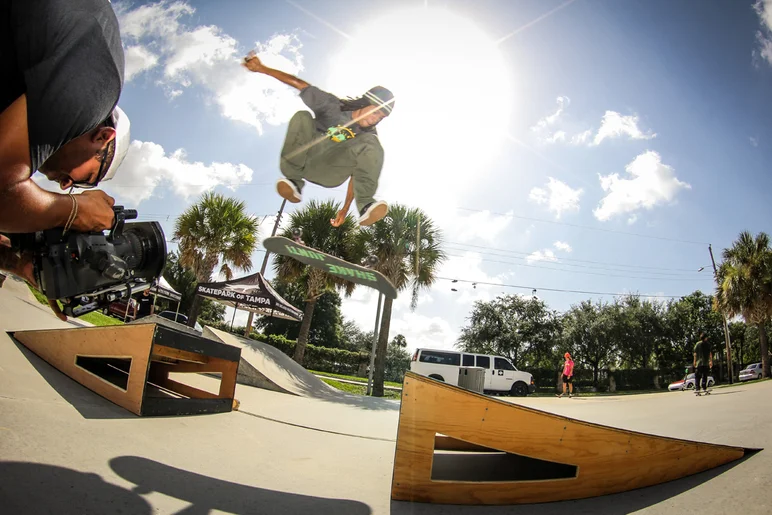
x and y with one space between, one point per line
31 488
89 404
615 504
205 493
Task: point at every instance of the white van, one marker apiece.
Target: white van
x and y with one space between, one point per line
501 376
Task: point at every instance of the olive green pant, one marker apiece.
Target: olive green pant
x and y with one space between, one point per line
309 155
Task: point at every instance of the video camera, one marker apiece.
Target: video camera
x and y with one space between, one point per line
88 271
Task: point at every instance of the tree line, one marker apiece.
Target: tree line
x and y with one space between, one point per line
629 332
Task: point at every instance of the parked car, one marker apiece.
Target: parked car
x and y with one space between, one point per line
751 372
179 318
501 376
687 383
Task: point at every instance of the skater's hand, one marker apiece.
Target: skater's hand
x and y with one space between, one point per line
253 63
338 220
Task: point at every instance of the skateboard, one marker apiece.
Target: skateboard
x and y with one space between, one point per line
332 265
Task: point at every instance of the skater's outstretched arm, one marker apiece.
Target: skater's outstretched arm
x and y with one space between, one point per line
338 221
253 64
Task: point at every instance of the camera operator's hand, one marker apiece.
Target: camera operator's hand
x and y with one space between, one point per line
21 266
26 272
95 211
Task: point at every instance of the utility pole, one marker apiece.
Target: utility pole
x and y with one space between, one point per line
265 264
729 367
375 344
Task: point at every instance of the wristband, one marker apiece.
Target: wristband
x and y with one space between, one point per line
73 214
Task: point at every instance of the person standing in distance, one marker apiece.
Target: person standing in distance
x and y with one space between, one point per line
568 375
703 362
339 142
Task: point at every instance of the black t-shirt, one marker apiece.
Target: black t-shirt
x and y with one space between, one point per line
68 59
327 111
145 306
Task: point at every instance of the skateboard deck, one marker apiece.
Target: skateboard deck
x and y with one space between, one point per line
332 265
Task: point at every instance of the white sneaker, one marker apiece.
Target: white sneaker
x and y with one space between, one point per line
373 212
287 189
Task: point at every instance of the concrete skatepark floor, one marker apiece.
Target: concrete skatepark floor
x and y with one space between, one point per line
64 449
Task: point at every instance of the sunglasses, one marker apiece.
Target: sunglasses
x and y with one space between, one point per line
103 167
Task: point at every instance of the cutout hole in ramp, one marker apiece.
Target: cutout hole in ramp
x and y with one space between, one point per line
488 465
113 370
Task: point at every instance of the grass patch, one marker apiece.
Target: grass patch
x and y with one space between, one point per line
353 378
95 317
355 389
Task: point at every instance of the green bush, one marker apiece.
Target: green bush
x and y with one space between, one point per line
323 359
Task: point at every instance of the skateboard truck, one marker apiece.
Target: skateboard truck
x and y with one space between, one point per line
297 234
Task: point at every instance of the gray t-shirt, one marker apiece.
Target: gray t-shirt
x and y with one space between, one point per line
68 59
327 111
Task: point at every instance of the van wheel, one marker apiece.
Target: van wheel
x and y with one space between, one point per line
437 377
519 389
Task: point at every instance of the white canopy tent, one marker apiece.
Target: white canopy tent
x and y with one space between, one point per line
163 289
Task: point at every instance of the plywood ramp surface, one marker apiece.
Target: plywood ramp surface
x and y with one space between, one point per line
130 365
605 460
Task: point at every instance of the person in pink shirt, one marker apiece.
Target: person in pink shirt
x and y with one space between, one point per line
568 375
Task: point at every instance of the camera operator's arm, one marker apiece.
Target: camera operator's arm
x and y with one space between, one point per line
25 206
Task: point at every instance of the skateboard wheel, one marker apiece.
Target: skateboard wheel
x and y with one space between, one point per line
297 232
372 260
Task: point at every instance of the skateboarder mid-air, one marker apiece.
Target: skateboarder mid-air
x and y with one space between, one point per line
337 143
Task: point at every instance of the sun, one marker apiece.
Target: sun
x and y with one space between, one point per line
452 87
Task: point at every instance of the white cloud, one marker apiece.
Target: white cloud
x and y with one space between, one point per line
549 120
562 245
558 196
556 137
542 127
652 183
424 331
206 57
147 165
614 125
581 138
764 36
541 255
632 219
138 60
467 226
754 141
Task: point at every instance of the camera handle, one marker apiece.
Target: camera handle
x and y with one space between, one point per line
121 215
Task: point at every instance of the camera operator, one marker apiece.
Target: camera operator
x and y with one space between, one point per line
62 74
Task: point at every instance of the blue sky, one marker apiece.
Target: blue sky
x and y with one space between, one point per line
510 119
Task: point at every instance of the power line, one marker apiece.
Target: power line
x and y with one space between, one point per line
586 227
643 269
585 273
583 292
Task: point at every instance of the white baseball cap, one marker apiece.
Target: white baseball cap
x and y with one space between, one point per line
122 126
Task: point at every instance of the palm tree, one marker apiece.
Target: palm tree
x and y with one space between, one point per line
345 242
745 285
393 241
215 230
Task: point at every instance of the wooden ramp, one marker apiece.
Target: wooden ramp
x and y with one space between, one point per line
458 447
130 365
